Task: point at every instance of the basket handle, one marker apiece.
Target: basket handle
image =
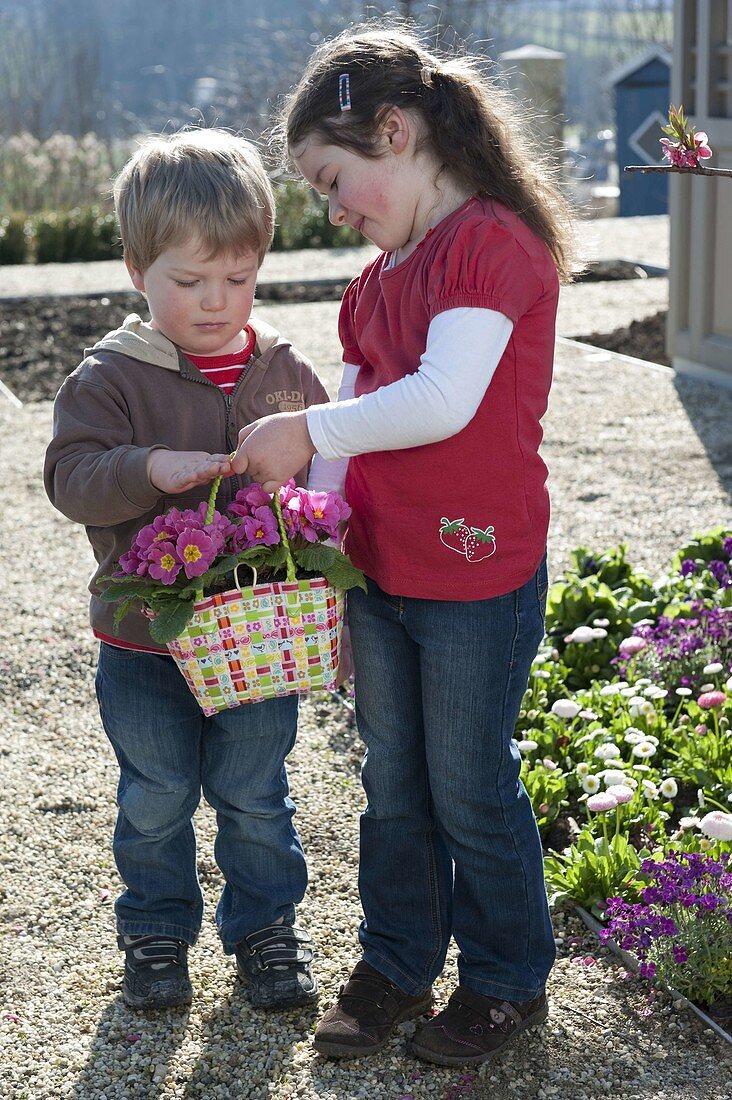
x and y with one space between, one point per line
289 561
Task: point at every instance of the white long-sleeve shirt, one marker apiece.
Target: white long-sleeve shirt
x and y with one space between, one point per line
464 347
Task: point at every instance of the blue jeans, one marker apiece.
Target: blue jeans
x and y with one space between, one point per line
449 843
167 753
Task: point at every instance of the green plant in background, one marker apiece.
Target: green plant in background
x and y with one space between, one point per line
13 239
592 870
84 233
302 221
546 786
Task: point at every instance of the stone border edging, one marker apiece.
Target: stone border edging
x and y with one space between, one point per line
631 963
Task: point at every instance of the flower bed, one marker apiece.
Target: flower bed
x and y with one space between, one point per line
627 756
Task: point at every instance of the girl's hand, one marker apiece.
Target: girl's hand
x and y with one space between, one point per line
273 449
177 471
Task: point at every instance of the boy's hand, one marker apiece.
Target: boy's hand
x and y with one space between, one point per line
273 449
176 471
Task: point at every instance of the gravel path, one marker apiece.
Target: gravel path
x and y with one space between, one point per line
634 455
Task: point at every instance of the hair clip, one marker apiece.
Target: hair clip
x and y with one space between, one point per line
344 92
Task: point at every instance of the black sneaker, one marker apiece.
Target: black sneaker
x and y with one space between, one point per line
156 972
275 963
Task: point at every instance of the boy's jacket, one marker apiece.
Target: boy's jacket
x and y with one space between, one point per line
135 391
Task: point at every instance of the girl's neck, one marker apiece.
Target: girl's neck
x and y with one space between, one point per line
433 208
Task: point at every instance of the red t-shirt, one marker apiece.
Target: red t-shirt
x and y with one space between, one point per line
465 518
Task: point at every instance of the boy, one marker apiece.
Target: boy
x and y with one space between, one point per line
144 423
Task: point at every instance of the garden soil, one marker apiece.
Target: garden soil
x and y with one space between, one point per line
42 338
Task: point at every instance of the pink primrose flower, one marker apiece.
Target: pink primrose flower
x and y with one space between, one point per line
196 550
165 564
130 562
260 529
246 500
712 699
322 510
294 515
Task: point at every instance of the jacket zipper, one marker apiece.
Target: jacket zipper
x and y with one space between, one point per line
235 482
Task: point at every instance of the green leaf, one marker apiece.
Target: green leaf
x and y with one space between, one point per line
334 566
139 590
171 620
124 608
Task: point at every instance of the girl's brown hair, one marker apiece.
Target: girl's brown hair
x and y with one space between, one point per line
469 123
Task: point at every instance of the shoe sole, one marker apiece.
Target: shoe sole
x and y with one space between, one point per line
301 1001
427 1055
157 1004
342 1050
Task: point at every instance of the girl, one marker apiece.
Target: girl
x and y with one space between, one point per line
448 340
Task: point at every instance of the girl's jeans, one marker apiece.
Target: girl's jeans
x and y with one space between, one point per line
449 843
167 752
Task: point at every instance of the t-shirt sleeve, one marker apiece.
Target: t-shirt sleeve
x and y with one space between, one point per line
484 267
347 326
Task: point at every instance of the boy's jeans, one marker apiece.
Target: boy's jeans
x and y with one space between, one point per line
167 751
449 843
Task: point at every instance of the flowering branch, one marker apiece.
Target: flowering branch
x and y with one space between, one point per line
684 148
699 170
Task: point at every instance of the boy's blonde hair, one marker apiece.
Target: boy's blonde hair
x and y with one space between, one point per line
203 183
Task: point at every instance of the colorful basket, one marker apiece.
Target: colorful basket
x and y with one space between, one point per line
249 644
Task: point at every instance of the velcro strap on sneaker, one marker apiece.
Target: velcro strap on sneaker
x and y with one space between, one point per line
155 951
280 945
368 991
494 1012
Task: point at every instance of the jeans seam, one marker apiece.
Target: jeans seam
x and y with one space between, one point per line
517 631
434 900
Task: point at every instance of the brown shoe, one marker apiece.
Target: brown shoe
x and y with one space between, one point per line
368 1009
473 1028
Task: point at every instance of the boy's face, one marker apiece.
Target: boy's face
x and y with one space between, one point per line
201 305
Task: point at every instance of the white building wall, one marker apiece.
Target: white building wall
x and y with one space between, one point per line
700 207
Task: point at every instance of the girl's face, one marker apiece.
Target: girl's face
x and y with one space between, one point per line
378 196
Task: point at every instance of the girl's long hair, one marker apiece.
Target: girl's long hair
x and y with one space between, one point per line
470 125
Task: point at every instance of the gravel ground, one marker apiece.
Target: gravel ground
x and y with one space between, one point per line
634 455
64 1029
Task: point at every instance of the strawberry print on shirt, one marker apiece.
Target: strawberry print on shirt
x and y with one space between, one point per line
474 543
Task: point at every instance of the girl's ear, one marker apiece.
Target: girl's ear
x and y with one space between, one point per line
396 129
136 276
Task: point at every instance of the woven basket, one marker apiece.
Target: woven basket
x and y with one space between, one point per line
249 644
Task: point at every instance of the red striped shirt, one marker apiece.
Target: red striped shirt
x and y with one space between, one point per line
226 370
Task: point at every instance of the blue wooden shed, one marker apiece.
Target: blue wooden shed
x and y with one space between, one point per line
642 90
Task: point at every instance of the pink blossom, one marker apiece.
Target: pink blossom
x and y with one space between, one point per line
164 562
260 529
717 825
629 646
323 512
601 802
712 699
295 516
702 145
621 792
196 550
130 562
246 500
